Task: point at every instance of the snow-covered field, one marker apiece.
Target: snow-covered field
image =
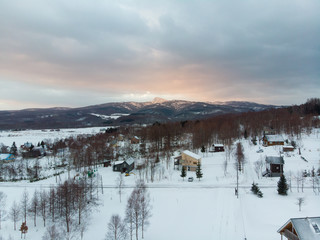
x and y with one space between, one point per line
206 209
35 136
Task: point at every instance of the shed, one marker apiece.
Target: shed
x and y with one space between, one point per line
135 140
218 148
307 228
124 166
274 166
288 149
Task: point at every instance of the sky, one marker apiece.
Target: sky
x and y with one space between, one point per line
78 53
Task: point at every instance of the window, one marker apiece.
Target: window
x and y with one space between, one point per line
316 228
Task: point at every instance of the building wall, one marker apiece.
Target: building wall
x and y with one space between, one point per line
190 162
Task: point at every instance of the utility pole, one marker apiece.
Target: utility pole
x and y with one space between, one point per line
237 189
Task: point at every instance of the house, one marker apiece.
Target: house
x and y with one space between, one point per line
218 148
124 166
26 146
274 166
288 149
135 140
34 152
6 157
189 160
272 140
307 228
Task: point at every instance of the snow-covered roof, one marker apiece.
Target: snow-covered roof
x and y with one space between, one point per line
118 162
217 145
130 161
274 138
288 146
306 228
275 160
4 156
191 154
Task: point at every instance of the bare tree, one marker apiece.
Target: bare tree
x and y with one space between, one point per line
116 229
258 165
145 209
34 207
3 198
130 215
300 202
239 156
52 233
43 205
120 185
15 214
24 204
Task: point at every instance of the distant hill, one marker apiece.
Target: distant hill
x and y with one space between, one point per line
121 113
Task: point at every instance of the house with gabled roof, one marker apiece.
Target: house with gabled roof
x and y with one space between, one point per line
272 140
189 160
274 166
124 166
307 228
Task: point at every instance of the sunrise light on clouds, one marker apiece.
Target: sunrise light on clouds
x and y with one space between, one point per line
79 53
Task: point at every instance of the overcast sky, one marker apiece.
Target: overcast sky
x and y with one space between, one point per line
79 53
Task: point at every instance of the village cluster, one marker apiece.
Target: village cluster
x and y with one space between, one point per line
270 151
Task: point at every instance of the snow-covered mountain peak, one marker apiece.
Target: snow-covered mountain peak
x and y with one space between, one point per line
158 100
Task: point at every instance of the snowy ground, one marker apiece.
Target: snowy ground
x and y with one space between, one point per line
200 210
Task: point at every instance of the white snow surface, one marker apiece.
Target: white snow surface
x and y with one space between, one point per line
205 210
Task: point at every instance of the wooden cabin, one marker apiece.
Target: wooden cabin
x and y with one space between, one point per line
274 166
217 148
288 149
307 228
272 140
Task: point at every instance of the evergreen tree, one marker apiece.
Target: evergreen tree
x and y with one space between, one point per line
199 171
256 190
282 185
13 149
245 134
203 149
183 172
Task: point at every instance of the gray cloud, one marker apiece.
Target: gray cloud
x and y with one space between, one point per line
261 51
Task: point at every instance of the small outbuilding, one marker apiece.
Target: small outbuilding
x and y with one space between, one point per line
124 166
307 228
217 148
135 140
274 166
288 149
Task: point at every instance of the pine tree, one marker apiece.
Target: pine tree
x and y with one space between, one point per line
203 149
256 190
13 149
282 185
199 171
183 172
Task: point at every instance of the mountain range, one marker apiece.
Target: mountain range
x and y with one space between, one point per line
121 113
